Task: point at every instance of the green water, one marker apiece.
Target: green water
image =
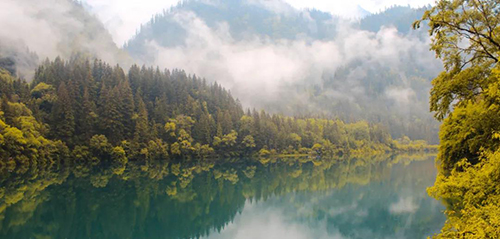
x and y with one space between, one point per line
241 198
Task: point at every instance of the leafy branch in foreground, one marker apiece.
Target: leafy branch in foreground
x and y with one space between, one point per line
466 96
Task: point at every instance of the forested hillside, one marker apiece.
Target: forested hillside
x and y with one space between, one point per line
315 65
93 111
397 16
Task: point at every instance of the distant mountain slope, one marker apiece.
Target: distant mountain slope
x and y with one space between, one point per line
362 12
52 28
397 16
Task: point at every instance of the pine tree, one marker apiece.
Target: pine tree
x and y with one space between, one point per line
111 117
226 123
89 117
126 108
141 134
62 116
134 76
202 132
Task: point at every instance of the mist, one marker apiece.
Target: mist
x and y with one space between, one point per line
49 29
259 70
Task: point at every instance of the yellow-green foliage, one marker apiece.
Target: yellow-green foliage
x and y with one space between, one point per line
466 96
472 193
23 142
40 89
406 145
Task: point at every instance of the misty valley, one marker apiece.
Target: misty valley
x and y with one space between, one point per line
249 119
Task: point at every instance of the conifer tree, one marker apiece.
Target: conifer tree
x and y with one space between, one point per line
141 134
126 107
62 116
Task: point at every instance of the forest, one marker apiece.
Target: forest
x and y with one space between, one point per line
90 111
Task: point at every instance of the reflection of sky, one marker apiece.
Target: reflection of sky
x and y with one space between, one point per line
258 221
403 205
275 219
397 207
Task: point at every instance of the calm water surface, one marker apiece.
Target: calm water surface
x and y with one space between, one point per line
382 197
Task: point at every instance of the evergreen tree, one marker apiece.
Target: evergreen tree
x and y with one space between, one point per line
126 108
62 116
89 117
141 134
201 131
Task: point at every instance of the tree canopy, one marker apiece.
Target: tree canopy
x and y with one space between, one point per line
466 97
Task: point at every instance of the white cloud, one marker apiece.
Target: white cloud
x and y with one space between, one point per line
252 69
50 28
257 70
20 24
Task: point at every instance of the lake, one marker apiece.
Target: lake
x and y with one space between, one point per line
373 197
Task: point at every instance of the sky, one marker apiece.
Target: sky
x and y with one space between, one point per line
124 17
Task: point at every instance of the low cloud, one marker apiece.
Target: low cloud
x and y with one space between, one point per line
23 23
401 96
260 68
52 28
123 18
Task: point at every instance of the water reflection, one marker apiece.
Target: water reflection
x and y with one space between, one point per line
381 197
394 206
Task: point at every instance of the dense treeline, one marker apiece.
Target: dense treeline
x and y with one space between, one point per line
93 111
466 98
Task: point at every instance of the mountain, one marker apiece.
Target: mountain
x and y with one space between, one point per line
50 29
301 62
361 12
244 18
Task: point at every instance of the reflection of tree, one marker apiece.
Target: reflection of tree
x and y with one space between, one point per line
382 220
159 199
393 206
